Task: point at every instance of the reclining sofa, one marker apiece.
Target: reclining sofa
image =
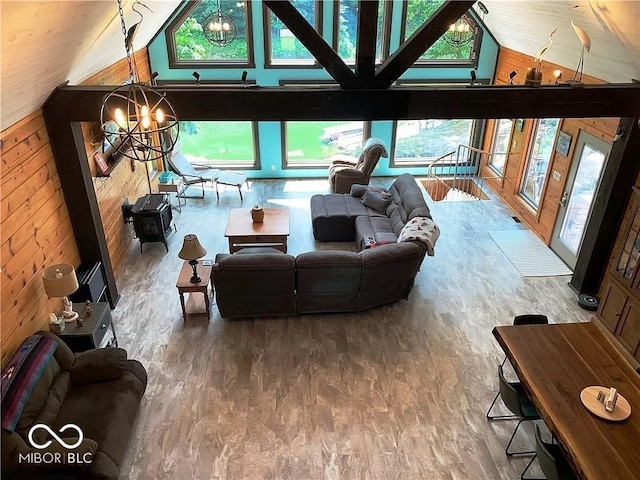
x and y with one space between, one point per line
347 218
270 284
97 391
382 272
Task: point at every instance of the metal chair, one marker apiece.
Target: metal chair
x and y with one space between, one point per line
190 175
552 461
528 319
518 402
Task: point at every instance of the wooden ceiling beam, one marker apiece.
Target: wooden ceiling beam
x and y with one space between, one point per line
418 43
366 46
82 103
314 42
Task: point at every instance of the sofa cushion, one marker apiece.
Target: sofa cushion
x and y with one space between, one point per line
327 281
250 285
374 200
373 230
44 404
388 272
98 365
105 412
333 216
357 190
409 198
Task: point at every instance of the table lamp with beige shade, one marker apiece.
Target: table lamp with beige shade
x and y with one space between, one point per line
192 251
60 281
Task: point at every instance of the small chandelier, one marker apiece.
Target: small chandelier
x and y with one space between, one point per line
219 28
138 121
460 33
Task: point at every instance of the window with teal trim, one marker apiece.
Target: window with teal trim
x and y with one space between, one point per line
500 146
220 144
187 41
346 29
538 160
284 46
418 142
313 143
417 12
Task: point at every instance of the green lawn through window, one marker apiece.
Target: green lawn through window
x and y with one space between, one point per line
218 142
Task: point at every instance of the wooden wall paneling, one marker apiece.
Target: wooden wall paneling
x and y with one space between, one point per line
13 157
510 60
36 230
123 182
542 221
16 134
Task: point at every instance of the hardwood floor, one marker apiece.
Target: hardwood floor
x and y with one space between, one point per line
395 392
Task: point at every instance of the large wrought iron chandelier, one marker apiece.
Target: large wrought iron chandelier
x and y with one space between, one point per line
137 120
460 33
219 28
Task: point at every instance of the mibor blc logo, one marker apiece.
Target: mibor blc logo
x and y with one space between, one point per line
56 457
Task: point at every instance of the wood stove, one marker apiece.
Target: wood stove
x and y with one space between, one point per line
152 219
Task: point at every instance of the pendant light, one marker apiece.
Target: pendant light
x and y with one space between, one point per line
219 28
137 120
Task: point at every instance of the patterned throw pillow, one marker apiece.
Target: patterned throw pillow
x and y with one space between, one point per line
422 229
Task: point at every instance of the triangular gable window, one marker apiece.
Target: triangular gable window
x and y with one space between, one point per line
188 44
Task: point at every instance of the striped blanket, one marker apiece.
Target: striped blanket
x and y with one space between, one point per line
21 374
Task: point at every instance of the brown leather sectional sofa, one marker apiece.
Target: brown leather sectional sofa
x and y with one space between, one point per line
343 217
270 284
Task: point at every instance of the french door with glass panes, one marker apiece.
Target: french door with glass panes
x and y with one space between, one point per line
589 158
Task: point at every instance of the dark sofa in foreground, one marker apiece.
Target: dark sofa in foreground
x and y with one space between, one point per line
269 284
98 391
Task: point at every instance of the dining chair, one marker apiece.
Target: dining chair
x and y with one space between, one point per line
527 319
518 403
552 461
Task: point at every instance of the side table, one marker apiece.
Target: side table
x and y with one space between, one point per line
176 186
184 284
97 330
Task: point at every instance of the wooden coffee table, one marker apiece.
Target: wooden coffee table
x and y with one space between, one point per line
272 232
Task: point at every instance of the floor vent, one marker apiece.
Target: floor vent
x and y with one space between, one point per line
516 219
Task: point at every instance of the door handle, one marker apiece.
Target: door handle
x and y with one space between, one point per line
563 200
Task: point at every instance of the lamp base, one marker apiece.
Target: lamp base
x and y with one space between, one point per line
195 278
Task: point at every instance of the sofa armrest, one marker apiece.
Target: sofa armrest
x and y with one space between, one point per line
99 365
20 460
341 159
351 173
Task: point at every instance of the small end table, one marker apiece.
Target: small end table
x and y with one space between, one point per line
184 284
175 186
94 332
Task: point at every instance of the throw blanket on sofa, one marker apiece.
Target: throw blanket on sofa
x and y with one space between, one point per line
20 375
422 229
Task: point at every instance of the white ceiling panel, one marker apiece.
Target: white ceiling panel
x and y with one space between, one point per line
614 28
45 43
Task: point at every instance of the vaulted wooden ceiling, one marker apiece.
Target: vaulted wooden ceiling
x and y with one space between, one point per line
44 44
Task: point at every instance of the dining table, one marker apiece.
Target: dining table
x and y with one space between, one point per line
555 364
